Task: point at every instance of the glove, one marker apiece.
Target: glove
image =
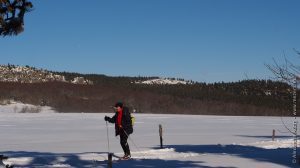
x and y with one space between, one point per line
106 118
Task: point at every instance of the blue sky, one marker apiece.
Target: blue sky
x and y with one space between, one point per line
201 40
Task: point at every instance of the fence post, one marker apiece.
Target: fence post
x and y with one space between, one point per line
273 135
161 136
109 164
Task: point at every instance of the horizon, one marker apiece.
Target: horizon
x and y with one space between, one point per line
202 41
158 77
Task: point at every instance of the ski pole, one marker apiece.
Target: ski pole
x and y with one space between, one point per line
133 143
109 159
107 138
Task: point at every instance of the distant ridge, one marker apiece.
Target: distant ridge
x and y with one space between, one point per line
75 92
27 74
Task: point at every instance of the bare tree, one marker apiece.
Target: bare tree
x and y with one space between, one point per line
287 72
12 16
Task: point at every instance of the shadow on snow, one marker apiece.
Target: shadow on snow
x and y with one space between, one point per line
46 160
280 156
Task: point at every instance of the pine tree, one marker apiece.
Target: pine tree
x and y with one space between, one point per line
12 16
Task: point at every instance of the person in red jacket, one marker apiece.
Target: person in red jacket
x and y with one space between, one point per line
123 126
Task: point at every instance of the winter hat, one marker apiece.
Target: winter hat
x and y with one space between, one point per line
119 104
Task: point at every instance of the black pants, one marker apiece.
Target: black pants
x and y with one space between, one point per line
123 142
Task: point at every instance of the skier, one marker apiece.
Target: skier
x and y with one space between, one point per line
123 126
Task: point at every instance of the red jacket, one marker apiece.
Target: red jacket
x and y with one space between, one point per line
119 116
123 119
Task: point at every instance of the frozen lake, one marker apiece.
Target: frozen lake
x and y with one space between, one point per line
79 140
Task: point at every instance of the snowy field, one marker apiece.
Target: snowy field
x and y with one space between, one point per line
78 140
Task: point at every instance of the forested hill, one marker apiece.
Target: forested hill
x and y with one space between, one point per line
151 95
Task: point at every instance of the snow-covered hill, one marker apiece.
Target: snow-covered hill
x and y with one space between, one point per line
163 81
12 73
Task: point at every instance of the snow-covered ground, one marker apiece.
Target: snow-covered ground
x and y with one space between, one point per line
64 140
162 81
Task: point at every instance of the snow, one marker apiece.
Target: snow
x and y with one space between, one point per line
281 143
11 106
82 81
70 140
168 153
162 81
33 75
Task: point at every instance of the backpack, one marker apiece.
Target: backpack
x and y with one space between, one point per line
128 120
132 119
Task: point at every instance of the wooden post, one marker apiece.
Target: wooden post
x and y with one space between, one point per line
273 135
160 135
109 164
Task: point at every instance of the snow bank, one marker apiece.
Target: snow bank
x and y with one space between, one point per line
280 143
22 161
168 153
18 107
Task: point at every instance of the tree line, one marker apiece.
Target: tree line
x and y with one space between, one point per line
247 97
